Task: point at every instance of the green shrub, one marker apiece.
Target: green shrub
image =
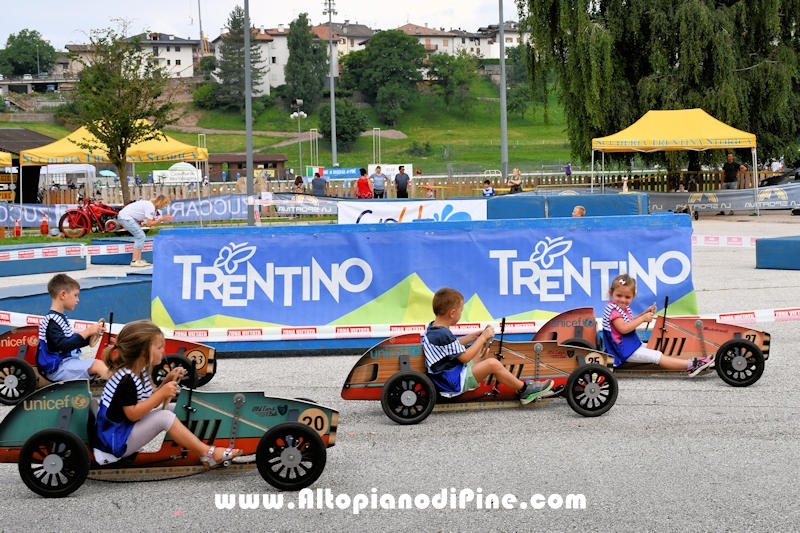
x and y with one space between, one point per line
420 149
205 95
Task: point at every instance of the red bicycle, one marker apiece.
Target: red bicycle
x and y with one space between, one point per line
90 215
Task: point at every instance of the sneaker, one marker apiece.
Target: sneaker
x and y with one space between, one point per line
140 263
721 213
731 213
699 364
530 392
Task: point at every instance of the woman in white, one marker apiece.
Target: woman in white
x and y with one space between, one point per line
131 217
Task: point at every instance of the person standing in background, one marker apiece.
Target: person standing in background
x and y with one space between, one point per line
568 169
401 181
319 187
730 175
378 183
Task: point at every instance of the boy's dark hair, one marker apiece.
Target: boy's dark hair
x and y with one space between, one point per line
487 182
446 299
61 282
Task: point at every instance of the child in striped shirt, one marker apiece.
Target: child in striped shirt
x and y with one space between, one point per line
451 364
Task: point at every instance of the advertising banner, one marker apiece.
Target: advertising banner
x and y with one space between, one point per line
377 212
222 207
30 215
772 197
300 204
333 173
391 170
170 177
367 274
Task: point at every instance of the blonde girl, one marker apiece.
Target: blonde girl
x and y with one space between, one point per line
131 218
130 413
619 332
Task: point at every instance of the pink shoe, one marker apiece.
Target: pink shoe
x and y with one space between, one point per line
700 364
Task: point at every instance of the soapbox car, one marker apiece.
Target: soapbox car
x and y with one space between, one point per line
19 376
739 351
50 435
393 372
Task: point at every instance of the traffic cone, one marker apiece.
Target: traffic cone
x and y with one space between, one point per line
17 229
44 228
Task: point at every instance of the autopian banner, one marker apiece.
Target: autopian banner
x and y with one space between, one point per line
337 275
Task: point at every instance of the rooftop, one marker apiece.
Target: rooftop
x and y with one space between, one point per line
15 140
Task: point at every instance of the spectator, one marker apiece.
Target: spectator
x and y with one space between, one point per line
401 181
488 190
364 186
319 186
378 183
776 166
579 211
298 187
429 192
515 182
71 184
568 169
730 171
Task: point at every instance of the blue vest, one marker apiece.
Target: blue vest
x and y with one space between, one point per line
112 437
48 361
629 343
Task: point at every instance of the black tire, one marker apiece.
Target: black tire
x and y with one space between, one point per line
580 343
591 390
78 226
17 380
168 362
739 363
291 456
53 463
696 214
204 379
408 397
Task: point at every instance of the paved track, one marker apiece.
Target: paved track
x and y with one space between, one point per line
673 454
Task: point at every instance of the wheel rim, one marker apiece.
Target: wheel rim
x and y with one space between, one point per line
291 457
738 362
168 364
408 398
78 225
54 464
15 382
591 391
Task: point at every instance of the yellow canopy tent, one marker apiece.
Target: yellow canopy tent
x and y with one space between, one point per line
5 159
66 151
680 129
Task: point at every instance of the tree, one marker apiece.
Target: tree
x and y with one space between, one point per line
231 63
350 122
121 88
389 67
452 77
739 60
207 64
518 100
307 68
20 54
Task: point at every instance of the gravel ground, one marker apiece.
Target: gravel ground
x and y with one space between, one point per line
673 454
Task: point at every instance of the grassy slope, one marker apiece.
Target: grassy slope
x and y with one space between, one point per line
468 145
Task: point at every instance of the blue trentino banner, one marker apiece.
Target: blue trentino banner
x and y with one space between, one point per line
384 274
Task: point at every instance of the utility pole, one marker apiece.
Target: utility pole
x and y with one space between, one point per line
330 10
503 117
248 113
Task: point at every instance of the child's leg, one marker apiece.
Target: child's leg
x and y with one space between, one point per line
187 439
487 367
654 357
145 429
99 369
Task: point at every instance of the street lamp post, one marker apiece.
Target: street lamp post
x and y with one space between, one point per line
330 10
298 115
38 70
503 116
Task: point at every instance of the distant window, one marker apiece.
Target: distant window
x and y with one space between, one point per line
477 50
463 40
155 50
518 41
274 60
352 42
177 61
472 49
167 48
509 40
446 42
177 48
167 61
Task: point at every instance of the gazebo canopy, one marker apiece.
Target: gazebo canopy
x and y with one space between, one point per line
66 151
5 159
683 129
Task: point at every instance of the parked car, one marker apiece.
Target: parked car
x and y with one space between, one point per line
790 176
27 77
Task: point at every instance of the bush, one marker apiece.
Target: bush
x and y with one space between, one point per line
350 122
337 93
67 115
420 149
205 95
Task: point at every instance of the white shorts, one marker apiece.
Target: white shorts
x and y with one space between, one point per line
644 355
71 368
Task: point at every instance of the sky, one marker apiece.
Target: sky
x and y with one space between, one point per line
63 23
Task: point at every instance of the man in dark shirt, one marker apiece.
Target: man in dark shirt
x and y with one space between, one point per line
730 171
319 185
401 182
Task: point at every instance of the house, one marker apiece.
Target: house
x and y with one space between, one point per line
268 61
179 56
491 34
435 41
467 42
352 37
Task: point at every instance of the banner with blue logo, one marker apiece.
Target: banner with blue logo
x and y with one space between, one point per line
387 274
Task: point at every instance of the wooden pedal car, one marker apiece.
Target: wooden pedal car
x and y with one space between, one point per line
393 372
740 352
50 436
19 376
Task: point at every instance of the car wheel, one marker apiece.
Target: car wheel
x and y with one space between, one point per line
291 456
53 463
408 397
739 363
17 380
591 390
580 343
168 362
